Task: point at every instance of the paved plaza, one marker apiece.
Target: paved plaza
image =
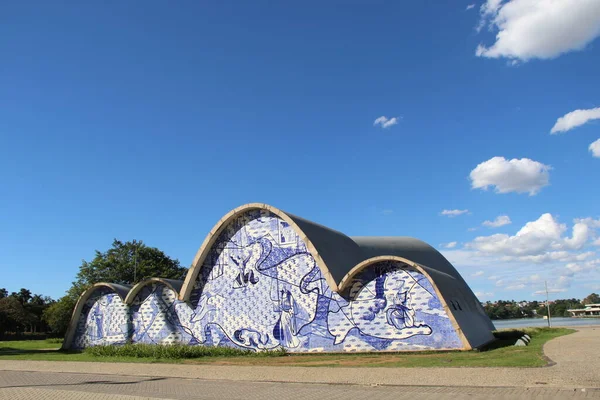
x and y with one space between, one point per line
17 385
574 375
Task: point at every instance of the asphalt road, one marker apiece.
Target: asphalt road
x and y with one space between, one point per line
17 385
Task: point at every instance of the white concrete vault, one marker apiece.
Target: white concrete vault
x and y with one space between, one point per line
340 259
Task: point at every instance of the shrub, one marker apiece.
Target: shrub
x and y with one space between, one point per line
509 334
176 351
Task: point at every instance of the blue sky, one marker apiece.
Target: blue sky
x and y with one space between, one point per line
122 121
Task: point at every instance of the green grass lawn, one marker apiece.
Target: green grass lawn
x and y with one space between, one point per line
498 354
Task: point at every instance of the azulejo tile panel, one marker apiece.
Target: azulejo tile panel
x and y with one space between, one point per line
104 320
260 288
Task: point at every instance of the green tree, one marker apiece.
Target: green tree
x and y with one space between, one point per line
3 293
593 298
37 300
24 296
36 308
58 314
13 316
127 263
558 308
124 263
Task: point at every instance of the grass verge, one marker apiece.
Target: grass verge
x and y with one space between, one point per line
501 353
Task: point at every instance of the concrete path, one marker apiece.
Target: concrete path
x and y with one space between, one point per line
577 358
16 385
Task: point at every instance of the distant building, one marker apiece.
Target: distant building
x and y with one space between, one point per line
589 311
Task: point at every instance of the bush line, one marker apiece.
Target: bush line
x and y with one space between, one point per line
176 351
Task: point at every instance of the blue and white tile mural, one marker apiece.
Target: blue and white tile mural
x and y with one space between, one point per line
260 288
104 320
154 317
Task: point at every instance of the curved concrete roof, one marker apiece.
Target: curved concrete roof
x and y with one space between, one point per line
337 248
341 257
338 251
336 254
172 284
404 246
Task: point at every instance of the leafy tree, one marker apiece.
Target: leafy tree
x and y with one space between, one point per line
58 314
558 308
24 295
13 316
593 298
127 263
37 300
27 316
124 263
505 309
36 307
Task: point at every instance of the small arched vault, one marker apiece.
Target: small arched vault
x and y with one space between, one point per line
264 278
173 285
86 329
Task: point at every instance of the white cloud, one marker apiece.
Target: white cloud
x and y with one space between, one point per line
544 249
591 265
503 282
472 229
470 6
573 268
574 119
453 213
591 222
512 283
581 233
484 295
536 238
553 256
500 220
536 281
516 175
387 212
450 245
490 7
543 29
595 148
517 286
541 250
559 285
385 122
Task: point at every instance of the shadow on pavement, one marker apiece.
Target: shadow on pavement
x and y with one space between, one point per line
87 383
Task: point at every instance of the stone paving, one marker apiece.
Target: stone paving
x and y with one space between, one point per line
575 375
50 385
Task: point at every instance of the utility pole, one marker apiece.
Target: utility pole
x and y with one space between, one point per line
547 303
